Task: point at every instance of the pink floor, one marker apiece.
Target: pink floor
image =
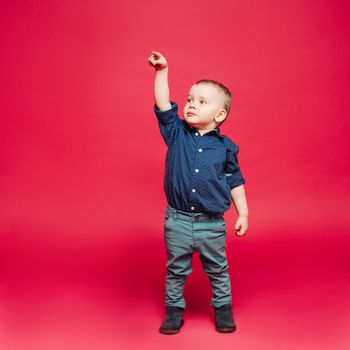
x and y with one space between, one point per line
289 293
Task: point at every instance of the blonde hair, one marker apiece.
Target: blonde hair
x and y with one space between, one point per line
226 92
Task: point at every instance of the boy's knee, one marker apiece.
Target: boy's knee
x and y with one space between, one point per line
178 270
215 269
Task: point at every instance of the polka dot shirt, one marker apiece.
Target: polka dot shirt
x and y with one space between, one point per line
200 170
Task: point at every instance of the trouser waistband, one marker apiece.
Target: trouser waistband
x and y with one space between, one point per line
179 214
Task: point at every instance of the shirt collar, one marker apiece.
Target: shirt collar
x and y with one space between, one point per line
215 131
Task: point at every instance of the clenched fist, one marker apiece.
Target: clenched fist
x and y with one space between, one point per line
241 226
157 60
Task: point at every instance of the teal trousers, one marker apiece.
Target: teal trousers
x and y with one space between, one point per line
184 234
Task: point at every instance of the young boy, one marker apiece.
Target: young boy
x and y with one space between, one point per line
202 175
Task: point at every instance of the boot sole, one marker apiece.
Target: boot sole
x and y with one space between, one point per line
171 330
226 329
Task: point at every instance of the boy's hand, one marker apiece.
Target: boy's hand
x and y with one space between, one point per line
241 225
157 60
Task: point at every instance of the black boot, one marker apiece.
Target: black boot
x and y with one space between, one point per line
172 321
224 319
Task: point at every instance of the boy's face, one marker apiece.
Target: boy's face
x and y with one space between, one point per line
204 107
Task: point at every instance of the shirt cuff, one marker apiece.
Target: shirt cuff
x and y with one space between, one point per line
235 181
167 116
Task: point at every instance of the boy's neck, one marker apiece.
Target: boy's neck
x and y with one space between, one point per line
202 132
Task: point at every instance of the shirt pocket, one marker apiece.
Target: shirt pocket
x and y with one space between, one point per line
215 158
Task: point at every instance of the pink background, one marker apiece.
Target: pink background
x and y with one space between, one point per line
82 161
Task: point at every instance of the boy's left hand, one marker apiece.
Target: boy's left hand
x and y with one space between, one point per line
241 225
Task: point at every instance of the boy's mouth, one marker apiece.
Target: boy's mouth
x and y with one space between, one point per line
190 113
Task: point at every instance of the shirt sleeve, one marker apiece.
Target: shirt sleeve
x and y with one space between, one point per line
169 122
233 172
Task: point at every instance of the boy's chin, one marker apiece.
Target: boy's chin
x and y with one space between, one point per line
194 125
191 120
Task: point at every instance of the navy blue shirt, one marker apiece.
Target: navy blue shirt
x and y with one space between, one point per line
200 171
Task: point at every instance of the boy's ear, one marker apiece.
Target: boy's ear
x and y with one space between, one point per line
221 115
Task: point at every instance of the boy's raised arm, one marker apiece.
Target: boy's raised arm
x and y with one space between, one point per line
161 86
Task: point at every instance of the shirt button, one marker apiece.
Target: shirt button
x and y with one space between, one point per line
196 170
192 208
196 134
193 190
200 150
